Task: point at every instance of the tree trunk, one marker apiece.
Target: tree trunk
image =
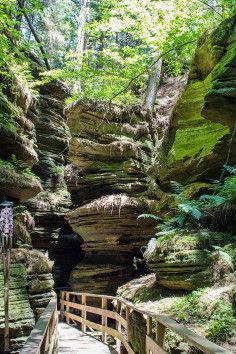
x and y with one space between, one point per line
152 86
81 20
36 37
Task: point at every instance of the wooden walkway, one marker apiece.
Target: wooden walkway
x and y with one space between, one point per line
108 317
73 341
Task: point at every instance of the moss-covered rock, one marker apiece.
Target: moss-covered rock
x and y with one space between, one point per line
184 259
204 117
21 314
17 185
17 132
39 277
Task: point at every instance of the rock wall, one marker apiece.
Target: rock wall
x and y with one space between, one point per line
109 150
30 291
52 231
203 135
34 143
204 118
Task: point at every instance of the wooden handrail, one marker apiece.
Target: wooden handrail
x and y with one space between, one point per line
44 336
75 309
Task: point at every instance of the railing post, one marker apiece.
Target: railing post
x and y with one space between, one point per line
118 326
83 313
149 326
149 332
67 307
104 319
127 314
55 332
61 305
160 334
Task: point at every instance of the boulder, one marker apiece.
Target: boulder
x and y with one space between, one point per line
18 185
184 259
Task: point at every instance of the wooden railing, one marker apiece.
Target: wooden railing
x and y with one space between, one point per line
44 336
109 315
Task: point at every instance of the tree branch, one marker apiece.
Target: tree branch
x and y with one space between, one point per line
36 37
148 68
211 7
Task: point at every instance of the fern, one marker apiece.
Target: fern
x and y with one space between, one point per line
190 209
176 187
149 216
211 200
231 170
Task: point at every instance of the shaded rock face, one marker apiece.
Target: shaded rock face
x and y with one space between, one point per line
112 180
204 118
52 137
51 230
108 150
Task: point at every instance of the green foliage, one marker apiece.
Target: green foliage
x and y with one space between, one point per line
18 166
189 308
7 122
189 211
214 318
222 322
122 38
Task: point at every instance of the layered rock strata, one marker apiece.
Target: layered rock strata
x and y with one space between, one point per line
52 138
186 259
110 149
31 280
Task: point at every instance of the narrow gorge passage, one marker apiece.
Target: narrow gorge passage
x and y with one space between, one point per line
118 165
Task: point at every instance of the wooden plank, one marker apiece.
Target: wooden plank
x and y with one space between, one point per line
93 295
149 326
39 334
97 311
152 346
127 313
67 305
83 312
110 331
118 326
200 342
160 334
192 338
104 318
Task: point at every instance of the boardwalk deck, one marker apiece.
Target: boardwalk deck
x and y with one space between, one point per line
73 341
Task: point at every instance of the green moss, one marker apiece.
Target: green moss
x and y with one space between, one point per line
38 286
10 176
194 190
196 137
38 263
7 114
226 61
20 309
